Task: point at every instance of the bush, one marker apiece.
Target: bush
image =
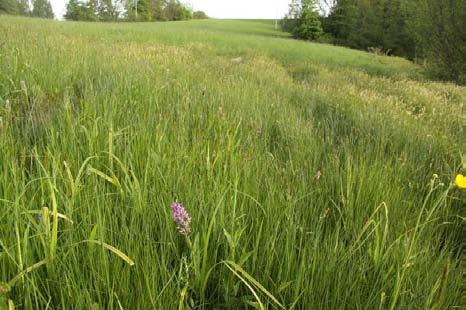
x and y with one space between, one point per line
309 26
302 20
200 15
175 10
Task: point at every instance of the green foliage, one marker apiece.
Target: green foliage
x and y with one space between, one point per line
291 20
308 171
23 7
439 29
106 10
15 7
42 9
200 15
139 11
367 24
8 7
175 10
303 20
423 30
309 26
77 10
157 10
92 10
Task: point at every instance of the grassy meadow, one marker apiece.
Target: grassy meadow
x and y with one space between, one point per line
316 176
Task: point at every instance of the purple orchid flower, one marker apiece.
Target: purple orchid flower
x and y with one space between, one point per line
181 218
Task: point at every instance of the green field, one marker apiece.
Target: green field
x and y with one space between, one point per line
316 176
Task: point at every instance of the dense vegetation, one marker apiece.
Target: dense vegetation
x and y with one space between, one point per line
40 8
105 10
423 30
157 10
303 20
315 176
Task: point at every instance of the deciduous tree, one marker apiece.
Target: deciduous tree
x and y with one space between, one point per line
42 8
303 20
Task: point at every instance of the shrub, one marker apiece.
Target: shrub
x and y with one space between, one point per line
200 15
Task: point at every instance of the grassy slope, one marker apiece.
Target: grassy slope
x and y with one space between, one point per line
310 166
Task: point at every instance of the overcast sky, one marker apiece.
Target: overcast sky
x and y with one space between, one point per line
219 8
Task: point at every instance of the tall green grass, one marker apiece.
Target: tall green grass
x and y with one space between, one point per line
316 176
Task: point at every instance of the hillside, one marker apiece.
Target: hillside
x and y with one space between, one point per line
316 176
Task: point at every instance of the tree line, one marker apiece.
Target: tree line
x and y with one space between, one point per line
130 10
34 8
428 31
105 10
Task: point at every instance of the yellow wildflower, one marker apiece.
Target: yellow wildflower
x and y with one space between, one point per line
460 181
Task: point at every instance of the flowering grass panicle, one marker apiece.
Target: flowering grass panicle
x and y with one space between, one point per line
181 218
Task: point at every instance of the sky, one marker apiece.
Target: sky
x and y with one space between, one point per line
267 9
